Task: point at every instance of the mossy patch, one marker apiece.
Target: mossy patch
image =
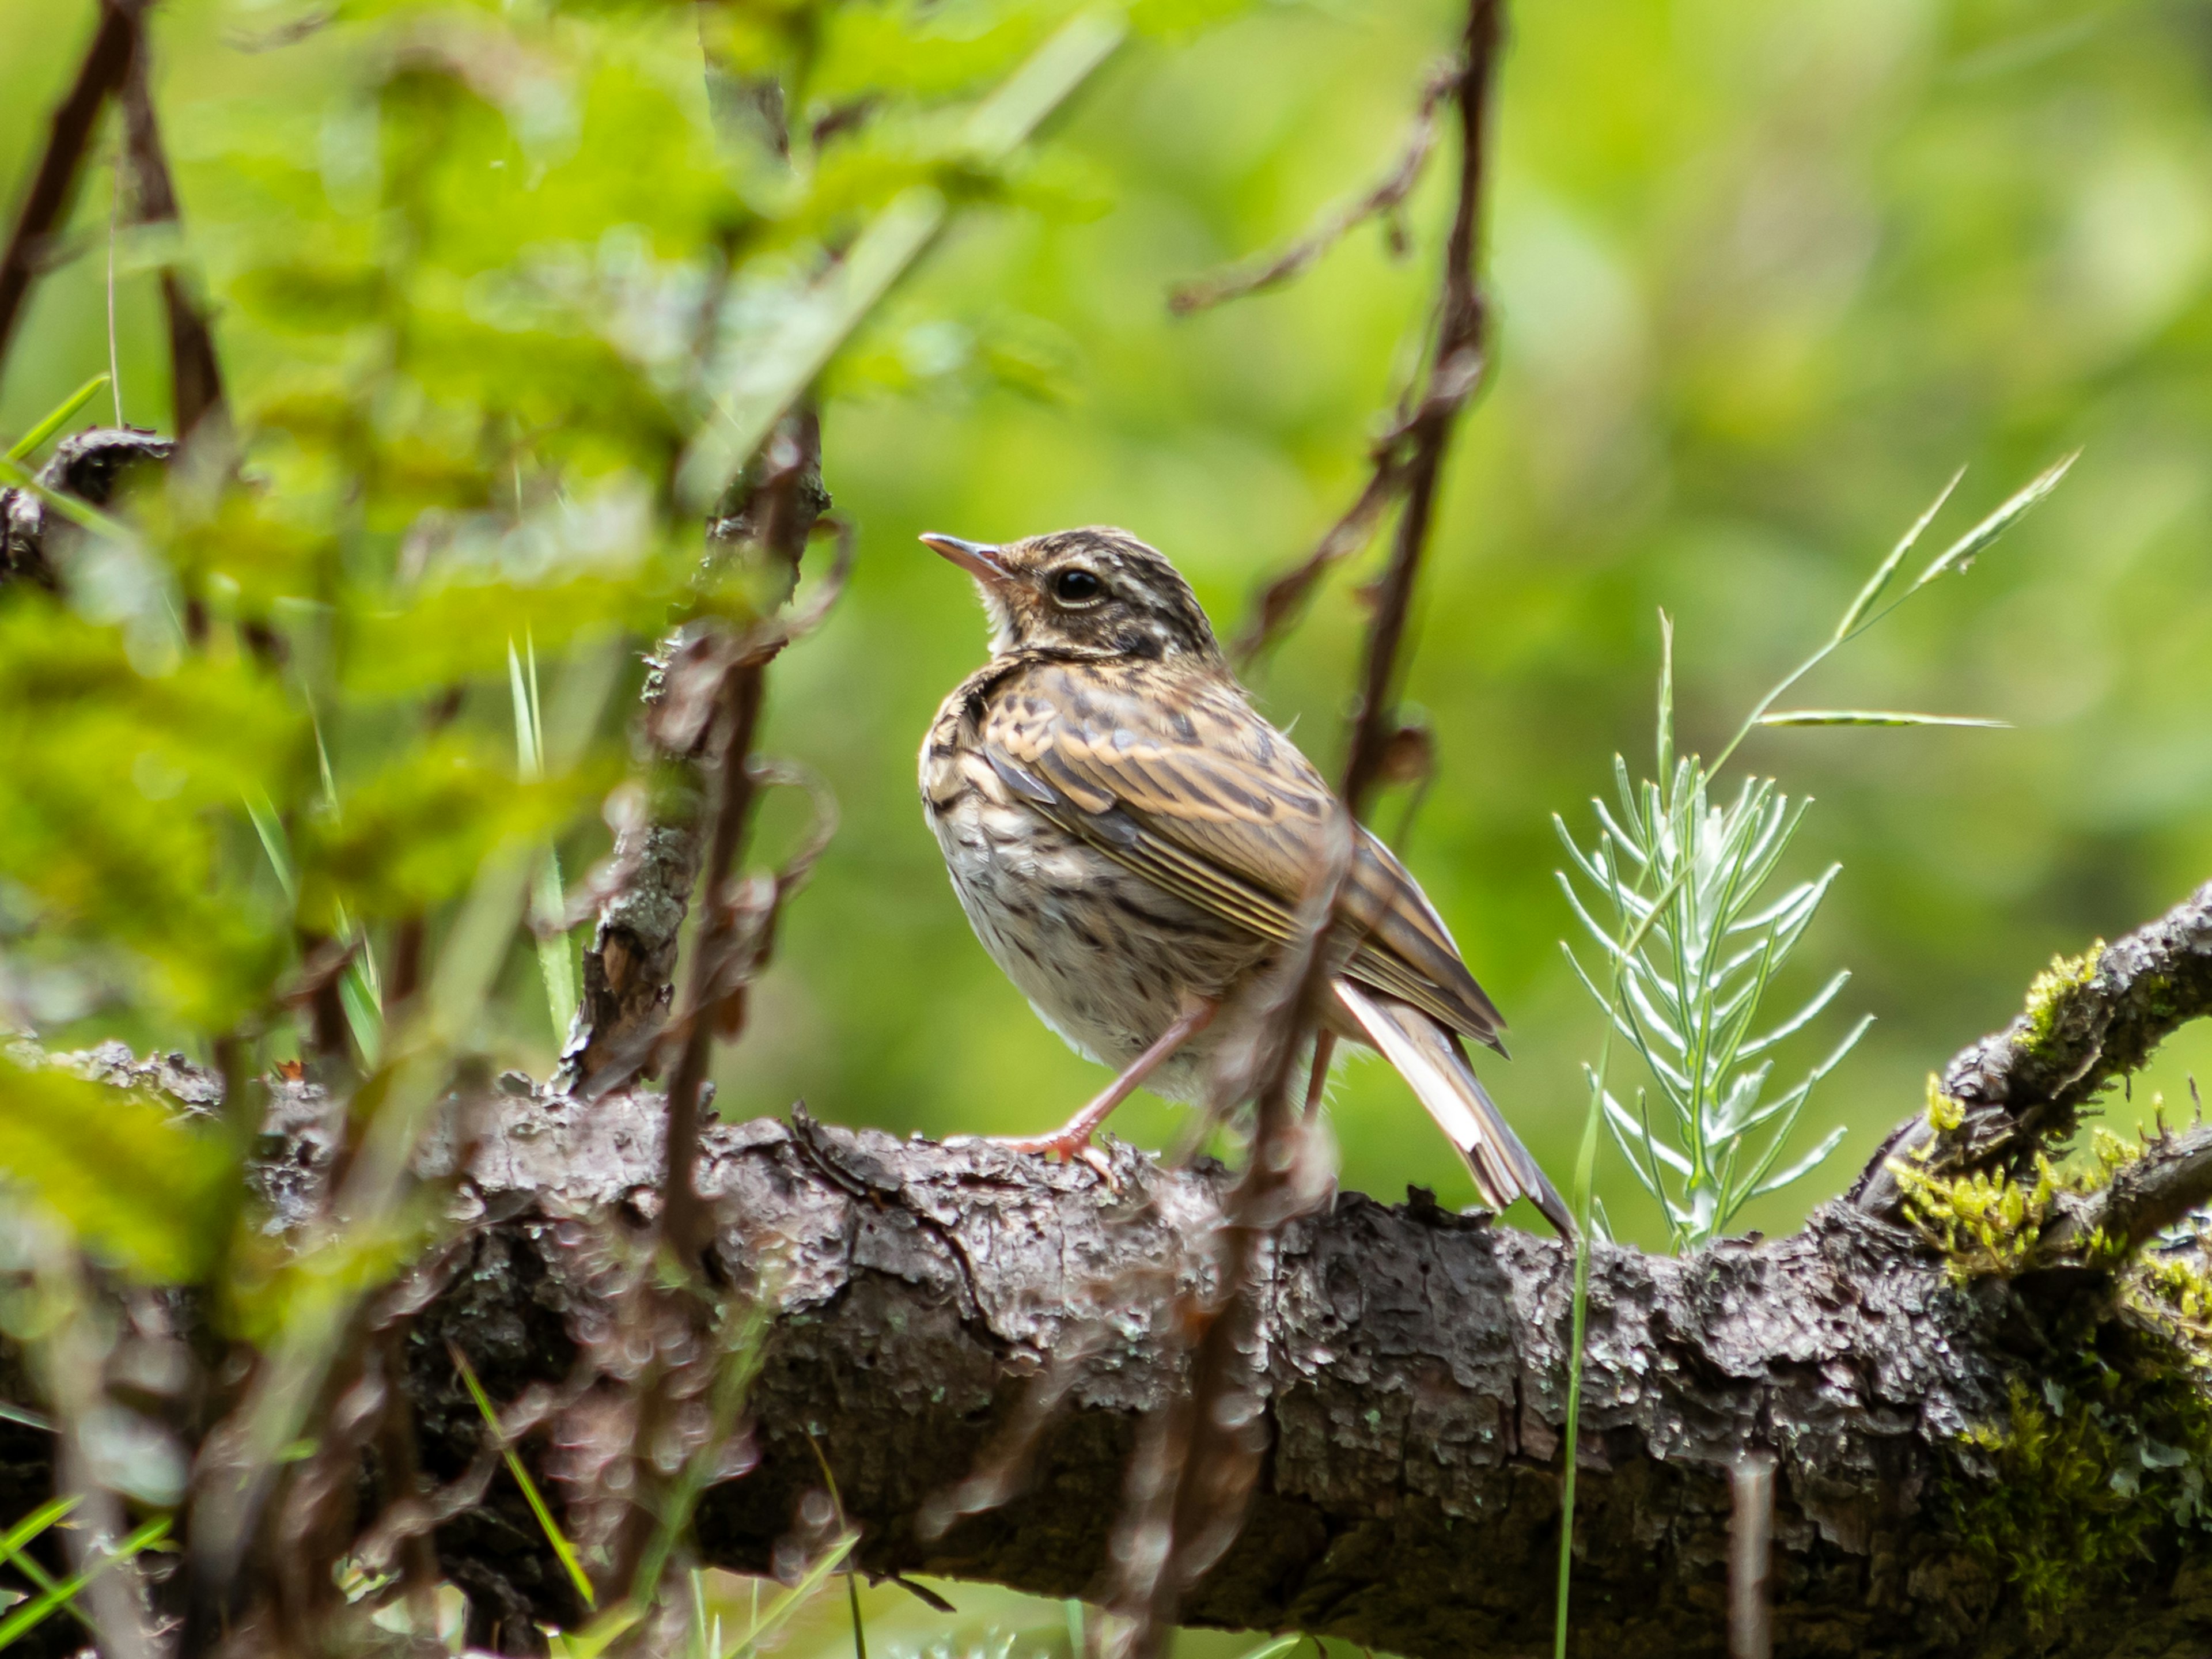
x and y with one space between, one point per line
2097 1467
2091 1475
2052 989
1990 1221
1944 1114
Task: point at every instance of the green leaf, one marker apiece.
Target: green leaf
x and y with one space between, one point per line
144 1189
414 835
121 793
780 1613
768 380
459 632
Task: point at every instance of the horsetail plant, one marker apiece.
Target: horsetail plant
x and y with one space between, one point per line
1690 954
1690 950
1690 994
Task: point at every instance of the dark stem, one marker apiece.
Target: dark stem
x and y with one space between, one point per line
106 62
629 967
195 376
685 1224
1456 370
1192 1483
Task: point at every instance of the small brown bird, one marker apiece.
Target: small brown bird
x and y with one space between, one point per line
1130 840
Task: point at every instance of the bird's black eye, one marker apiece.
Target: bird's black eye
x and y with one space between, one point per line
1075 586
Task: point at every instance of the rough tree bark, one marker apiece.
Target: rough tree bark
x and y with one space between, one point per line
1414 1363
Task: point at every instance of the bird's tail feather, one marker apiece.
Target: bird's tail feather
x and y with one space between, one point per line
1437 1068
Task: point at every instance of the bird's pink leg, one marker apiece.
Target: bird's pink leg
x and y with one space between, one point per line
1072 1138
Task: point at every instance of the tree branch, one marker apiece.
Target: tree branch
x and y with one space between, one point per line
1402 1367
2088 1023
629 967
1409 1378
87 466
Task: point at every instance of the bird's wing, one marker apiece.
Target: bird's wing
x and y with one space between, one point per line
1191 789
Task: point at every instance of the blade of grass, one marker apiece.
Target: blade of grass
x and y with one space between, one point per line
35 1612
1880 578
29 443
1874 717
1961 552
859 1630
798 1596
851 1583
1585 1177
36 1523
274 842
22 1533
596 1637
554 1535
556 966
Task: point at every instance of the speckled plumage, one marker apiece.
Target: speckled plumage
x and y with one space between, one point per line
1128 834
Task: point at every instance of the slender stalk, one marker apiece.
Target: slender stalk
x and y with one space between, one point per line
106 63
1457 369
684 1221
1585 1184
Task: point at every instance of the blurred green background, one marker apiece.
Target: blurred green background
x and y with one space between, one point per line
1766 273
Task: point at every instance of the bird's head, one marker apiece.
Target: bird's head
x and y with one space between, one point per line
1094 592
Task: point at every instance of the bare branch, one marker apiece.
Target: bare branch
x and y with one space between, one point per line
2173 1177
107 61
1255 276
2088 1023
630 967
1457 369
196 377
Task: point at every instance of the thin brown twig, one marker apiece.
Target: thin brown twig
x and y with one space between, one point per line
195 376
106 62
1406 461
1406 458
684 1224
1257 275
1194 1473
630 965
782 524
1283 600
1192 1479
1457 369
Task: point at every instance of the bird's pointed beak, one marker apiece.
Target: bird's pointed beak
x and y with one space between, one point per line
979 559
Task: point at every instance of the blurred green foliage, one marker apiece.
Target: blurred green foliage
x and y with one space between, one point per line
1765 274
481 275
